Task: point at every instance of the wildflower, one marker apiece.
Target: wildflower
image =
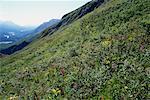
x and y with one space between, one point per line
130 38
141 47
114 65
62 71
102 98
106 43
106 60
13 98
126 87
56 91
75 85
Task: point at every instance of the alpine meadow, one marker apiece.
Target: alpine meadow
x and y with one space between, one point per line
100 51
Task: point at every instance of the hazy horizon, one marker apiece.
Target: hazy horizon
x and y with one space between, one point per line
35 12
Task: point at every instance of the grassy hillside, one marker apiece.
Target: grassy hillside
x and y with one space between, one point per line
104 55
73 16
50 29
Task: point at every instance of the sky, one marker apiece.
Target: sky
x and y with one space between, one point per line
35 12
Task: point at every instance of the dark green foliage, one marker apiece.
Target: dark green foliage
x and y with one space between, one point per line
73 53
14 48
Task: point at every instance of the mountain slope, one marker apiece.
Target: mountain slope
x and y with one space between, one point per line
73 16
66 20
36 33
45 25
103 55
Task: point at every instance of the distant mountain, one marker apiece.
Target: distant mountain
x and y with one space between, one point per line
11 33
8 26
46 25
8 36
9 42
41 28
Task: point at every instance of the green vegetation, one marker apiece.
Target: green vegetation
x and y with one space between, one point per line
103 55
73 16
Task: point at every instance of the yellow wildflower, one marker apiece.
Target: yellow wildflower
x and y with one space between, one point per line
130 38
56 91
13 98
106 60
106 43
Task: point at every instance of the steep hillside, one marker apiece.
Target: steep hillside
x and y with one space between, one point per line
74 15
54 24
103 55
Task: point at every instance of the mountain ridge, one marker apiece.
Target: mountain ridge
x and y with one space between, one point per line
78 13
66 20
